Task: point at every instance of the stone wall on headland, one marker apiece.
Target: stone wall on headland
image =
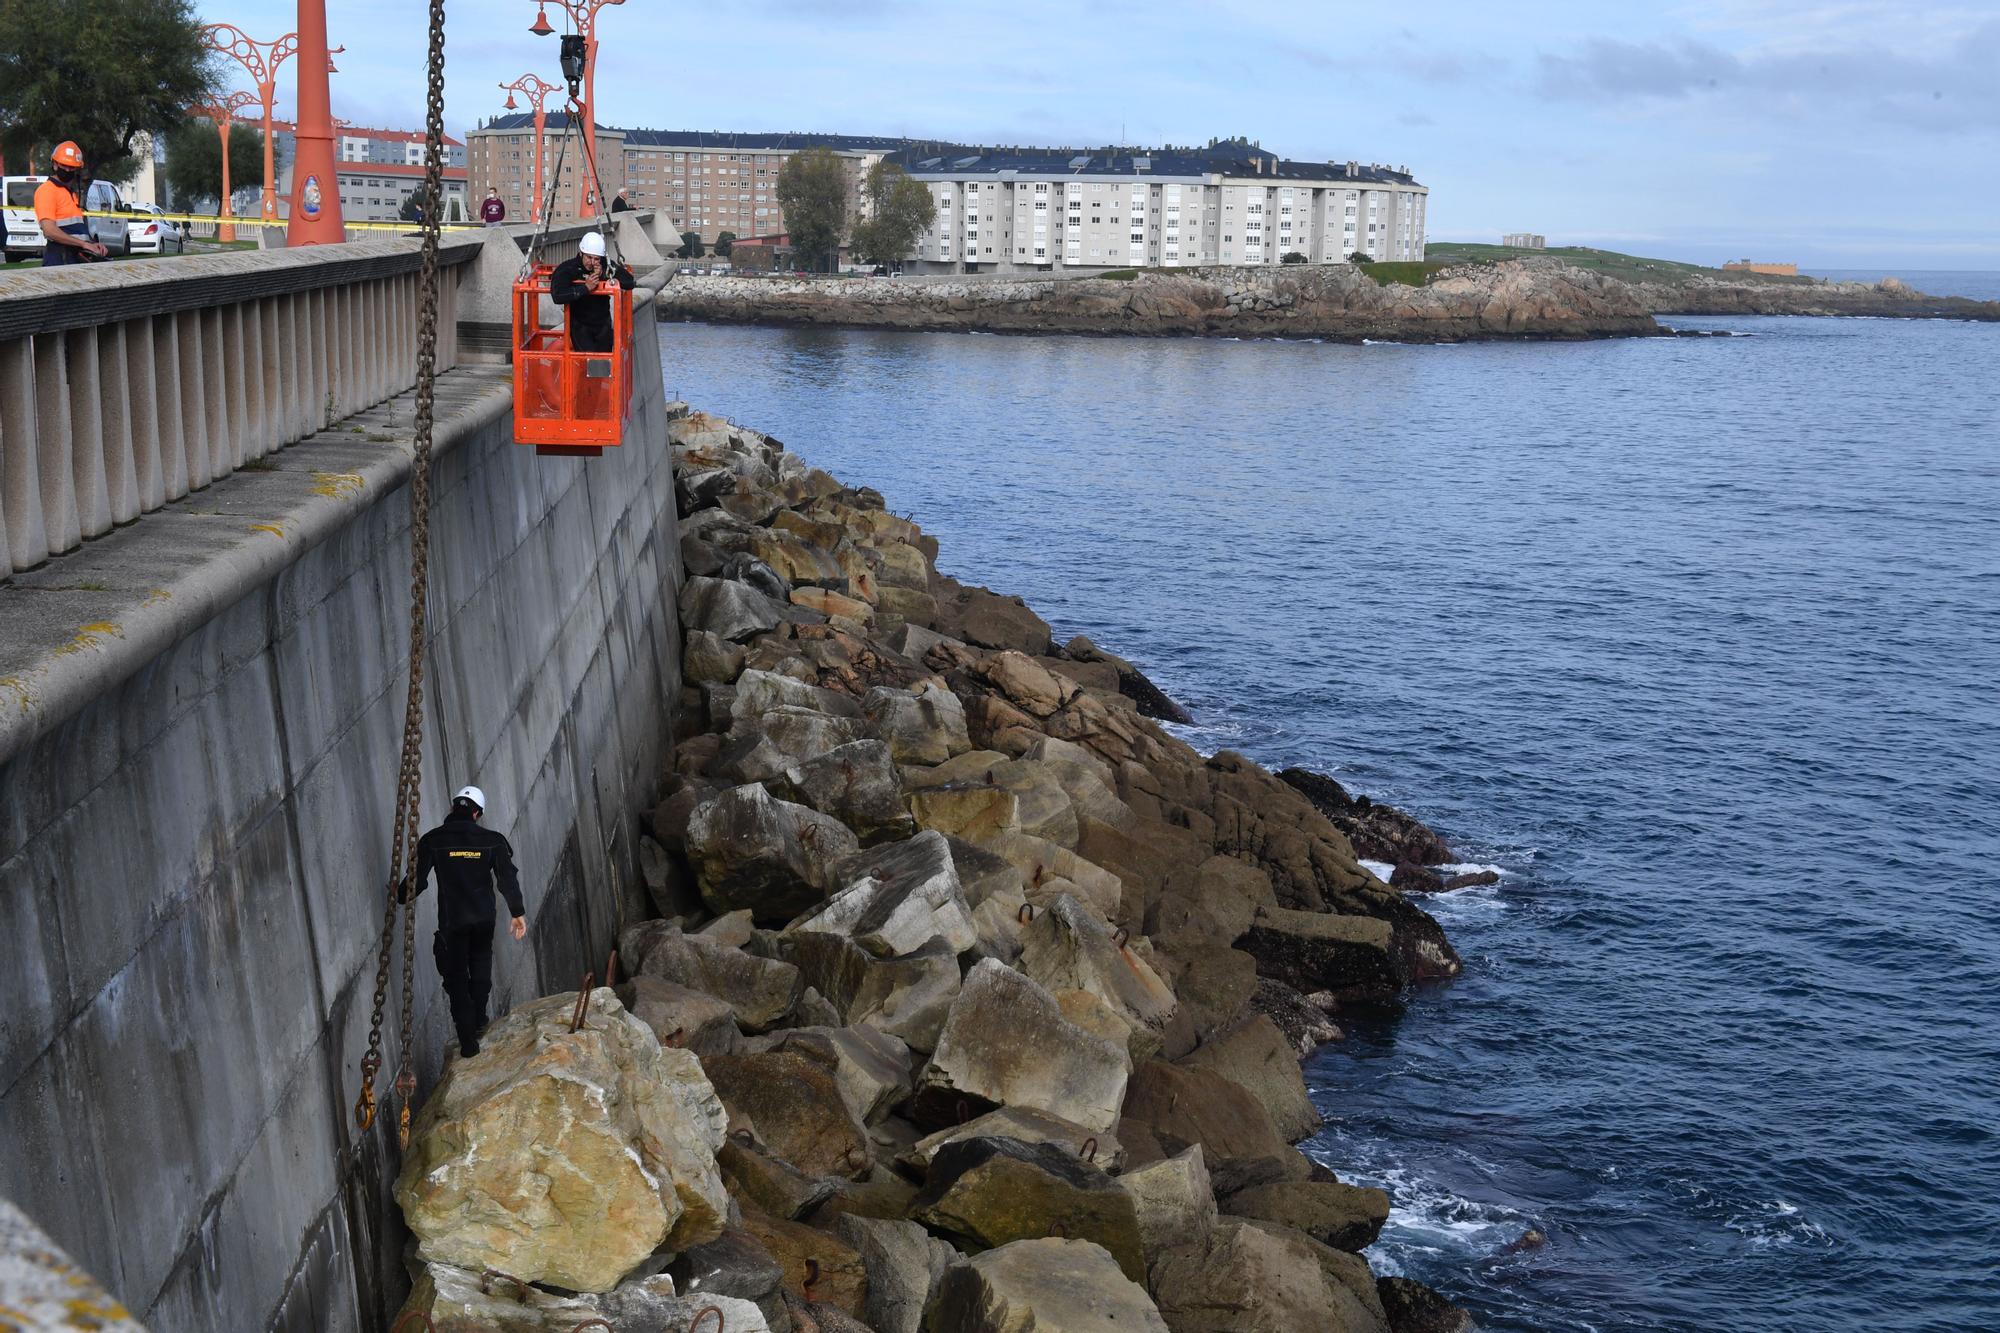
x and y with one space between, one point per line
1517 299
975 1001
1891 298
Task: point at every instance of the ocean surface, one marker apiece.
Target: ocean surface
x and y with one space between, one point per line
1977 285
1696 640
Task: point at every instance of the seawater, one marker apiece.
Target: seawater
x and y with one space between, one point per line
1696 640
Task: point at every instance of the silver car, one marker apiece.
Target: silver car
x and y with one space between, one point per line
113 233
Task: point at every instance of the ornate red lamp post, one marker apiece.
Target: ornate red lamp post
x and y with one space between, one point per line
315 216
583 17
223 113
536 90
261 61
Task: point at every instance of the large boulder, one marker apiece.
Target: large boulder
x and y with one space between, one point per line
904 1263
871 1068
922 725
761 992
1006 1043
1173 1201
710 659
1183 1107
908 997
987 1192
993 621
565 1157
898 898
1067 947
1324 951
770 856
856 784
1377 832
1254 1054
761 692
457 1300
1412 1307
1346 1217
1242 1279
790 1101
817 1266
729 610
1023 1125
734 1265
680 1015
1042 1286
781 739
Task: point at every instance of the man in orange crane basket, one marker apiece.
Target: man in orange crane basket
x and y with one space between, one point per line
575 283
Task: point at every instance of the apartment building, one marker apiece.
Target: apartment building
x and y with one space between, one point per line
1525 240
377 171
706 182
1229 202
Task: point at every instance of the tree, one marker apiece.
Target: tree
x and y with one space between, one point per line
812 191
690 246
413 205
725 244
98 72
1359 257
194 160
1293 257
899 209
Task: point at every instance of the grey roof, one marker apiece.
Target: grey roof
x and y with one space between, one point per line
1229 157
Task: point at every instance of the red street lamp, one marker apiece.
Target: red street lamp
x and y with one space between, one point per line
583 17
536 90
261 60
223 113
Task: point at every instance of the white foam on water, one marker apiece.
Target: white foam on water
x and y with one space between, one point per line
1471 868
1425 1216
1777 1223
1379 869
1463 906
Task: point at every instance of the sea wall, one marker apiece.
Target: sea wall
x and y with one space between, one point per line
204 714
1509 300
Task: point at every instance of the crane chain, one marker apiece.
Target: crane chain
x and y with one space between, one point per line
409 781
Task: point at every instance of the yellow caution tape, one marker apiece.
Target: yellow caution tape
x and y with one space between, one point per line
254 221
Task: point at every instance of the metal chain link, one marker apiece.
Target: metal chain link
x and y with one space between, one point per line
409 781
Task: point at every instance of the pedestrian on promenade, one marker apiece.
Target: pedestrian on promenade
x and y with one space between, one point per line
59 211
621 204
493 210
470 861
575 284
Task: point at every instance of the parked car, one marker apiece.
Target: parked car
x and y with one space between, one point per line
157 235
17 203
113 233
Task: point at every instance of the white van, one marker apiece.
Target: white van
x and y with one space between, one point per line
17 203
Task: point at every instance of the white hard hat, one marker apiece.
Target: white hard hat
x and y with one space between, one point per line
472 794
591 244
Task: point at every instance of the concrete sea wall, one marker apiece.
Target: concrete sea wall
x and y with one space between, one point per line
191 863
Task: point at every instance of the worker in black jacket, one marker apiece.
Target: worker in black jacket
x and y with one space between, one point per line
470 861
575 284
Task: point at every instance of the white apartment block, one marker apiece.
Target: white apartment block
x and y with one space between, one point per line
1231 203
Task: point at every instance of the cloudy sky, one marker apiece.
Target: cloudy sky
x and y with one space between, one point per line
1842 133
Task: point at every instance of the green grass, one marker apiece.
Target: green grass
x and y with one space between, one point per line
1410 274
1624 267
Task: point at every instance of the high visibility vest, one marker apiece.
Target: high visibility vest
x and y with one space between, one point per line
55 202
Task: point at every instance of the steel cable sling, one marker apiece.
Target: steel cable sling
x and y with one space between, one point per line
402 889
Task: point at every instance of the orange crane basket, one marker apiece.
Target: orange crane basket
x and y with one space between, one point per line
568 402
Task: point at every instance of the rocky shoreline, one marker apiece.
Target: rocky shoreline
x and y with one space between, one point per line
1514 299
975 1003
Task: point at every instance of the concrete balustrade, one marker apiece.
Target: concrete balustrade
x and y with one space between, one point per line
124 387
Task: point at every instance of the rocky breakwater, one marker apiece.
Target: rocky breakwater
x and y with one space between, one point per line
1890 298
1515 299
975 1002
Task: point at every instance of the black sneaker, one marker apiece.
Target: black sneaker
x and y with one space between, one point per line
468 1048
